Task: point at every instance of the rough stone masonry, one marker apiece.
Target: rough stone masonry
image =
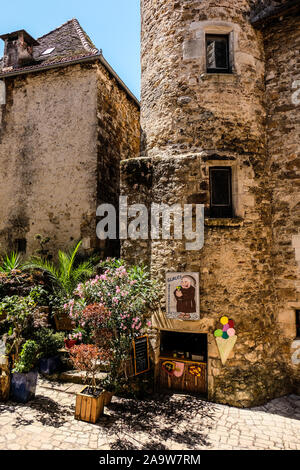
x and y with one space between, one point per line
248 120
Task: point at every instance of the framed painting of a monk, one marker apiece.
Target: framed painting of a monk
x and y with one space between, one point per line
182 296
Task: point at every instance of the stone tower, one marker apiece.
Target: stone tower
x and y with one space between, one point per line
203 116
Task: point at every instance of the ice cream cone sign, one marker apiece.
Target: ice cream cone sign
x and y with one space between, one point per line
225 338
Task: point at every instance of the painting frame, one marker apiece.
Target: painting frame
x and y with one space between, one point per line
183 296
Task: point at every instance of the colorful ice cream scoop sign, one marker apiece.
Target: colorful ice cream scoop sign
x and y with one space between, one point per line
225 338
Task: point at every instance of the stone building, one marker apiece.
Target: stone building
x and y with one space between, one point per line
66 121
220 127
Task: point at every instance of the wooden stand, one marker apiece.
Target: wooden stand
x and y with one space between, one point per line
89 408
187 382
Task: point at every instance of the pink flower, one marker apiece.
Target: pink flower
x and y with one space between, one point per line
149 323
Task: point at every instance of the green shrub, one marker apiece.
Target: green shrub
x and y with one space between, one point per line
28 357
49 342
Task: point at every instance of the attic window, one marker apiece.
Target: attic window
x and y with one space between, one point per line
48 51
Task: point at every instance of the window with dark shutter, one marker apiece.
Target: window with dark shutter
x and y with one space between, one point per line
217 53
220 192
298 323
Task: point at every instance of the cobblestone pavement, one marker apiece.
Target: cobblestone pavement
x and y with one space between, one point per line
175 422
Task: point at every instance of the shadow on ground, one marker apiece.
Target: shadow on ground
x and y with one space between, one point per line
288 407
43 410
148 424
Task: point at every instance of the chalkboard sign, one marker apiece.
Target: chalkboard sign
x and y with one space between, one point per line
141 355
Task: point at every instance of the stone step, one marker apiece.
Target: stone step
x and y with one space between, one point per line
73 376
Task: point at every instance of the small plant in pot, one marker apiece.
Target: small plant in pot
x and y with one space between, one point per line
90 401
49 345
73 338
24 374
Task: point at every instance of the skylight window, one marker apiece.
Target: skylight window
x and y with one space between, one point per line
48 51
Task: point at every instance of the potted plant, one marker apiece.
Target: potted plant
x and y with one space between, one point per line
24 374
90 401
49 345
73 338
117 307
19 316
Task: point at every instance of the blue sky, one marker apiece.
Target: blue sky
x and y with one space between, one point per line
113 26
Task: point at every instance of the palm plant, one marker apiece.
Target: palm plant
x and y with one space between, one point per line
67 274
10 262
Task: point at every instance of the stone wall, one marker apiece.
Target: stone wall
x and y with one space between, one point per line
192 120
118 120
62 135
282 41
48 157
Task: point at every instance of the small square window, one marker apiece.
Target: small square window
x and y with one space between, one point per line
220 192
217 53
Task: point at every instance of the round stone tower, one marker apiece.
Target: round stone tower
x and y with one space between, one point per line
204 142
187 106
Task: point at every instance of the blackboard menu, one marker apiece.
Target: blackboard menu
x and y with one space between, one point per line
141 354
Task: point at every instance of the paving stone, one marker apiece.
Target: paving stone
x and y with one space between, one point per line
179 422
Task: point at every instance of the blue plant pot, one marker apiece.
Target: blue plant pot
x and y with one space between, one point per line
23 386
49 365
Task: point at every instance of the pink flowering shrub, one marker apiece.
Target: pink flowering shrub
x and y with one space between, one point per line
116 306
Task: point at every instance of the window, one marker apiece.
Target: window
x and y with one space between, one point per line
220 192
48 51
298 323
217 53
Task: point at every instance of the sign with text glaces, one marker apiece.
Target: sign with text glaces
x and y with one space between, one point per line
182 296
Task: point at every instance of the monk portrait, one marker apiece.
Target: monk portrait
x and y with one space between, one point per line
185 295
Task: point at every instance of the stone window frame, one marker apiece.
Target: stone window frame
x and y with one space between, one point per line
195 46
287 320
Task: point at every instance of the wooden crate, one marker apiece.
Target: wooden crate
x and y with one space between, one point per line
108 397
89 408
187 382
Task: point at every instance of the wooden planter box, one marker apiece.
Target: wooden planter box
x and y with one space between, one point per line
89 408
108 397
63 322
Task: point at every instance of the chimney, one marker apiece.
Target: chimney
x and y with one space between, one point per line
18 49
